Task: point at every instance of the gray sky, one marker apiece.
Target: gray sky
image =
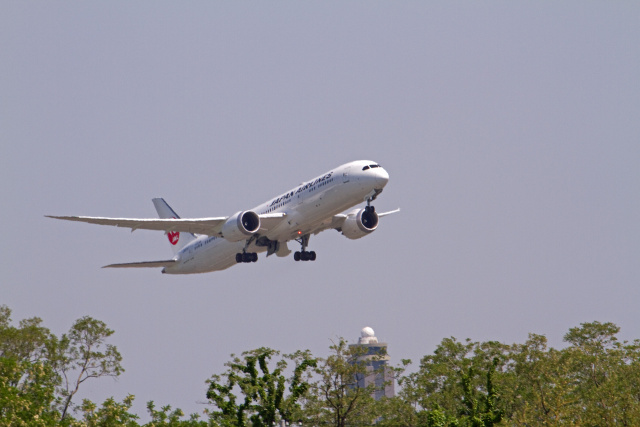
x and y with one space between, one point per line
511 132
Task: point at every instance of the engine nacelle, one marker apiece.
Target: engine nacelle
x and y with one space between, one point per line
241 226
359 223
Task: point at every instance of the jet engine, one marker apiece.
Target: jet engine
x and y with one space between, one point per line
241 226
359 223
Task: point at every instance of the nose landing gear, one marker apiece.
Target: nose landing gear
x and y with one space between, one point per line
369 208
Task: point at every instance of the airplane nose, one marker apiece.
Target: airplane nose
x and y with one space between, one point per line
382 177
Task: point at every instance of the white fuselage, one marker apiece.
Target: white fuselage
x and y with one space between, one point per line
308 207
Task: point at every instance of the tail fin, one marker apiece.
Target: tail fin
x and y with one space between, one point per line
178 240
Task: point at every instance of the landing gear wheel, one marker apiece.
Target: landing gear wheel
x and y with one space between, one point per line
304 256
246 257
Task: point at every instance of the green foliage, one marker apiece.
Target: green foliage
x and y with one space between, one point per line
116 414
606 373
27 381
83 354
166 417
437 418
28 342
395 411
46 370
480 411
110 414
335 398
26 393
594 381
263 390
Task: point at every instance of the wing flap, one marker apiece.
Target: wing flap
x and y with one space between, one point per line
143 264
208 226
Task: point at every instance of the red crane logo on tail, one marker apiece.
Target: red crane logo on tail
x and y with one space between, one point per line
173 236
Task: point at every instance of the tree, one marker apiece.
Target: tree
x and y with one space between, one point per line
336 398
27 381
82 354
28 342
481 411
26 393
457 385
594 381
436 384
110 414
166 417
542 389
399 410
607 375
396 411
263 390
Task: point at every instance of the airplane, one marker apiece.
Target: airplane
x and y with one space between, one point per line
203 245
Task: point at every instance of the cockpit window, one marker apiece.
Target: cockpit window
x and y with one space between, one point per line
370 167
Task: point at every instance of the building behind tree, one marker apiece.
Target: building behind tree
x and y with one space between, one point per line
378 373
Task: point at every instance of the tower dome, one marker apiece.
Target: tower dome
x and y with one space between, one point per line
367 336
367 332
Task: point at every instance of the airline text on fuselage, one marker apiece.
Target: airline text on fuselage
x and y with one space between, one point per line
301 189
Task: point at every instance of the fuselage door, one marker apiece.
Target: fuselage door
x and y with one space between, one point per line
345 175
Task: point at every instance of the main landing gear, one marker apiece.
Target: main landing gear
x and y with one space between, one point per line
304 255
247 256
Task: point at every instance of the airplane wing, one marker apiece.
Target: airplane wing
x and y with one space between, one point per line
208 226
143 264
380 215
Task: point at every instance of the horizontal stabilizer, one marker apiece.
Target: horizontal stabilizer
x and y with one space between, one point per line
144 264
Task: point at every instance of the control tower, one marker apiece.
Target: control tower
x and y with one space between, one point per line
377 361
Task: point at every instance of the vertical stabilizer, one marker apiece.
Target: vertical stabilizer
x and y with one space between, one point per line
177 239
